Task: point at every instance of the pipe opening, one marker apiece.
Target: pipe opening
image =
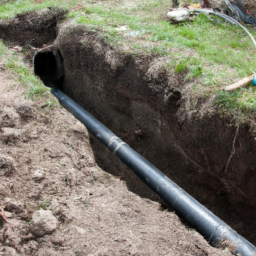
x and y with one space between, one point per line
48 67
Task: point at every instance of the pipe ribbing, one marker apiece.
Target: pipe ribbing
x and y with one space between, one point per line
209 225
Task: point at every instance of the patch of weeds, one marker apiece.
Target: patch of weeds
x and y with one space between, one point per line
11 8
66 178
159 50
51 103
72 15
182 67
43 205
77 251
26 77
3 49
239 101
192 66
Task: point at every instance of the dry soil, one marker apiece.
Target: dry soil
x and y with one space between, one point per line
46 163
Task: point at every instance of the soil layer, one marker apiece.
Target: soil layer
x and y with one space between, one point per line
46 163
150 109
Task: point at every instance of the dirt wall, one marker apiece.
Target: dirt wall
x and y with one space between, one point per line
147 108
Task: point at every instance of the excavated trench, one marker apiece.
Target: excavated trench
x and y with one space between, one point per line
148 108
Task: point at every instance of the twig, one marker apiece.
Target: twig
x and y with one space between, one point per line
233 149
2 216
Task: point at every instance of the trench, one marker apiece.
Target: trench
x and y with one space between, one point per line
148 111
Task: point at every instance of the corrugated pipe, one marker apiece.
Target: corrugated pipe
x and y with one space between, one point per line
205 222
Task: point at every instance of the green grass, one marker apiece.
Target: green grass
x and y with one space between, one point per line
43 205
26 77
210 54
14 7
240 102
23 73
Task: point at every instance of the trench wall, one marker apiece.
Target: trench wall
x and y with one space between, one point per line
144 106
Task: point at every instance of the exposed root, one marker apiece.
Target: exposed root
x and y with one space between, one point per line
233 149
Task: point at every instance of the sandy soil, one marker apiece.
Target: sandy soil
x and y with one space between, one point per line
46 164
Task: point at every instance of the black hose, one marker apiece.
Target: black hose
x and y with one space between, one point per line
209 225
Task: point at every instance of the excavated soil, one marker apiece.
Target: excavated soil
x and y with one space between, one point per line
46 162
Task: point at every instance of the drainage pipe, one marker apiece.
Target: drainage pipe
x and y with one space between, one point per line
210 226
206 223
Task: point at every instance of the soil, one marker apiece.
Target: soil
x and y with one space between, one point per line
47 163
153 110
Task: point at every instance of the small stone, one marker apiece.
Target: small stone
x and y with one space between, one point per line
178 15
43 223
38 175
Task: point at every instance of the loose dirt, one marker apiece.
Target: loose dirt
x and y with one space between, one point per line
47 164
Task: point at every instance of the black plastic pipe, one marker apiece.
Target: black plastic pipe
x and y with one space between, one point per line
206 223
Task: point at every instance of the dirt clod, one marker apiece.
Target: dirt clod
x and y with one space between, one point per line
24 109
43 223
7 165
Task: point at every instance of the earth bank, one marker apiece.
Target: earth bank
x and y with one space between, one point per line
151 109
58 201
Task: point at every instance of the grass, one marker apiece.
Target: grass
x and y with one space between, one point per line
43 205
210 54
15 7
24 74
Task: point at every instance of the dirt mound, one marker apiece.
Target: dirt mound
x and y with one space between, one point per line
37 28
59 202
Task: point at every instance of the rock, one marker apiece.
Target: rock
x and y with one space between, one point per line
11 205
38 175
7 165
24 109
43 223
9 118
178 15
